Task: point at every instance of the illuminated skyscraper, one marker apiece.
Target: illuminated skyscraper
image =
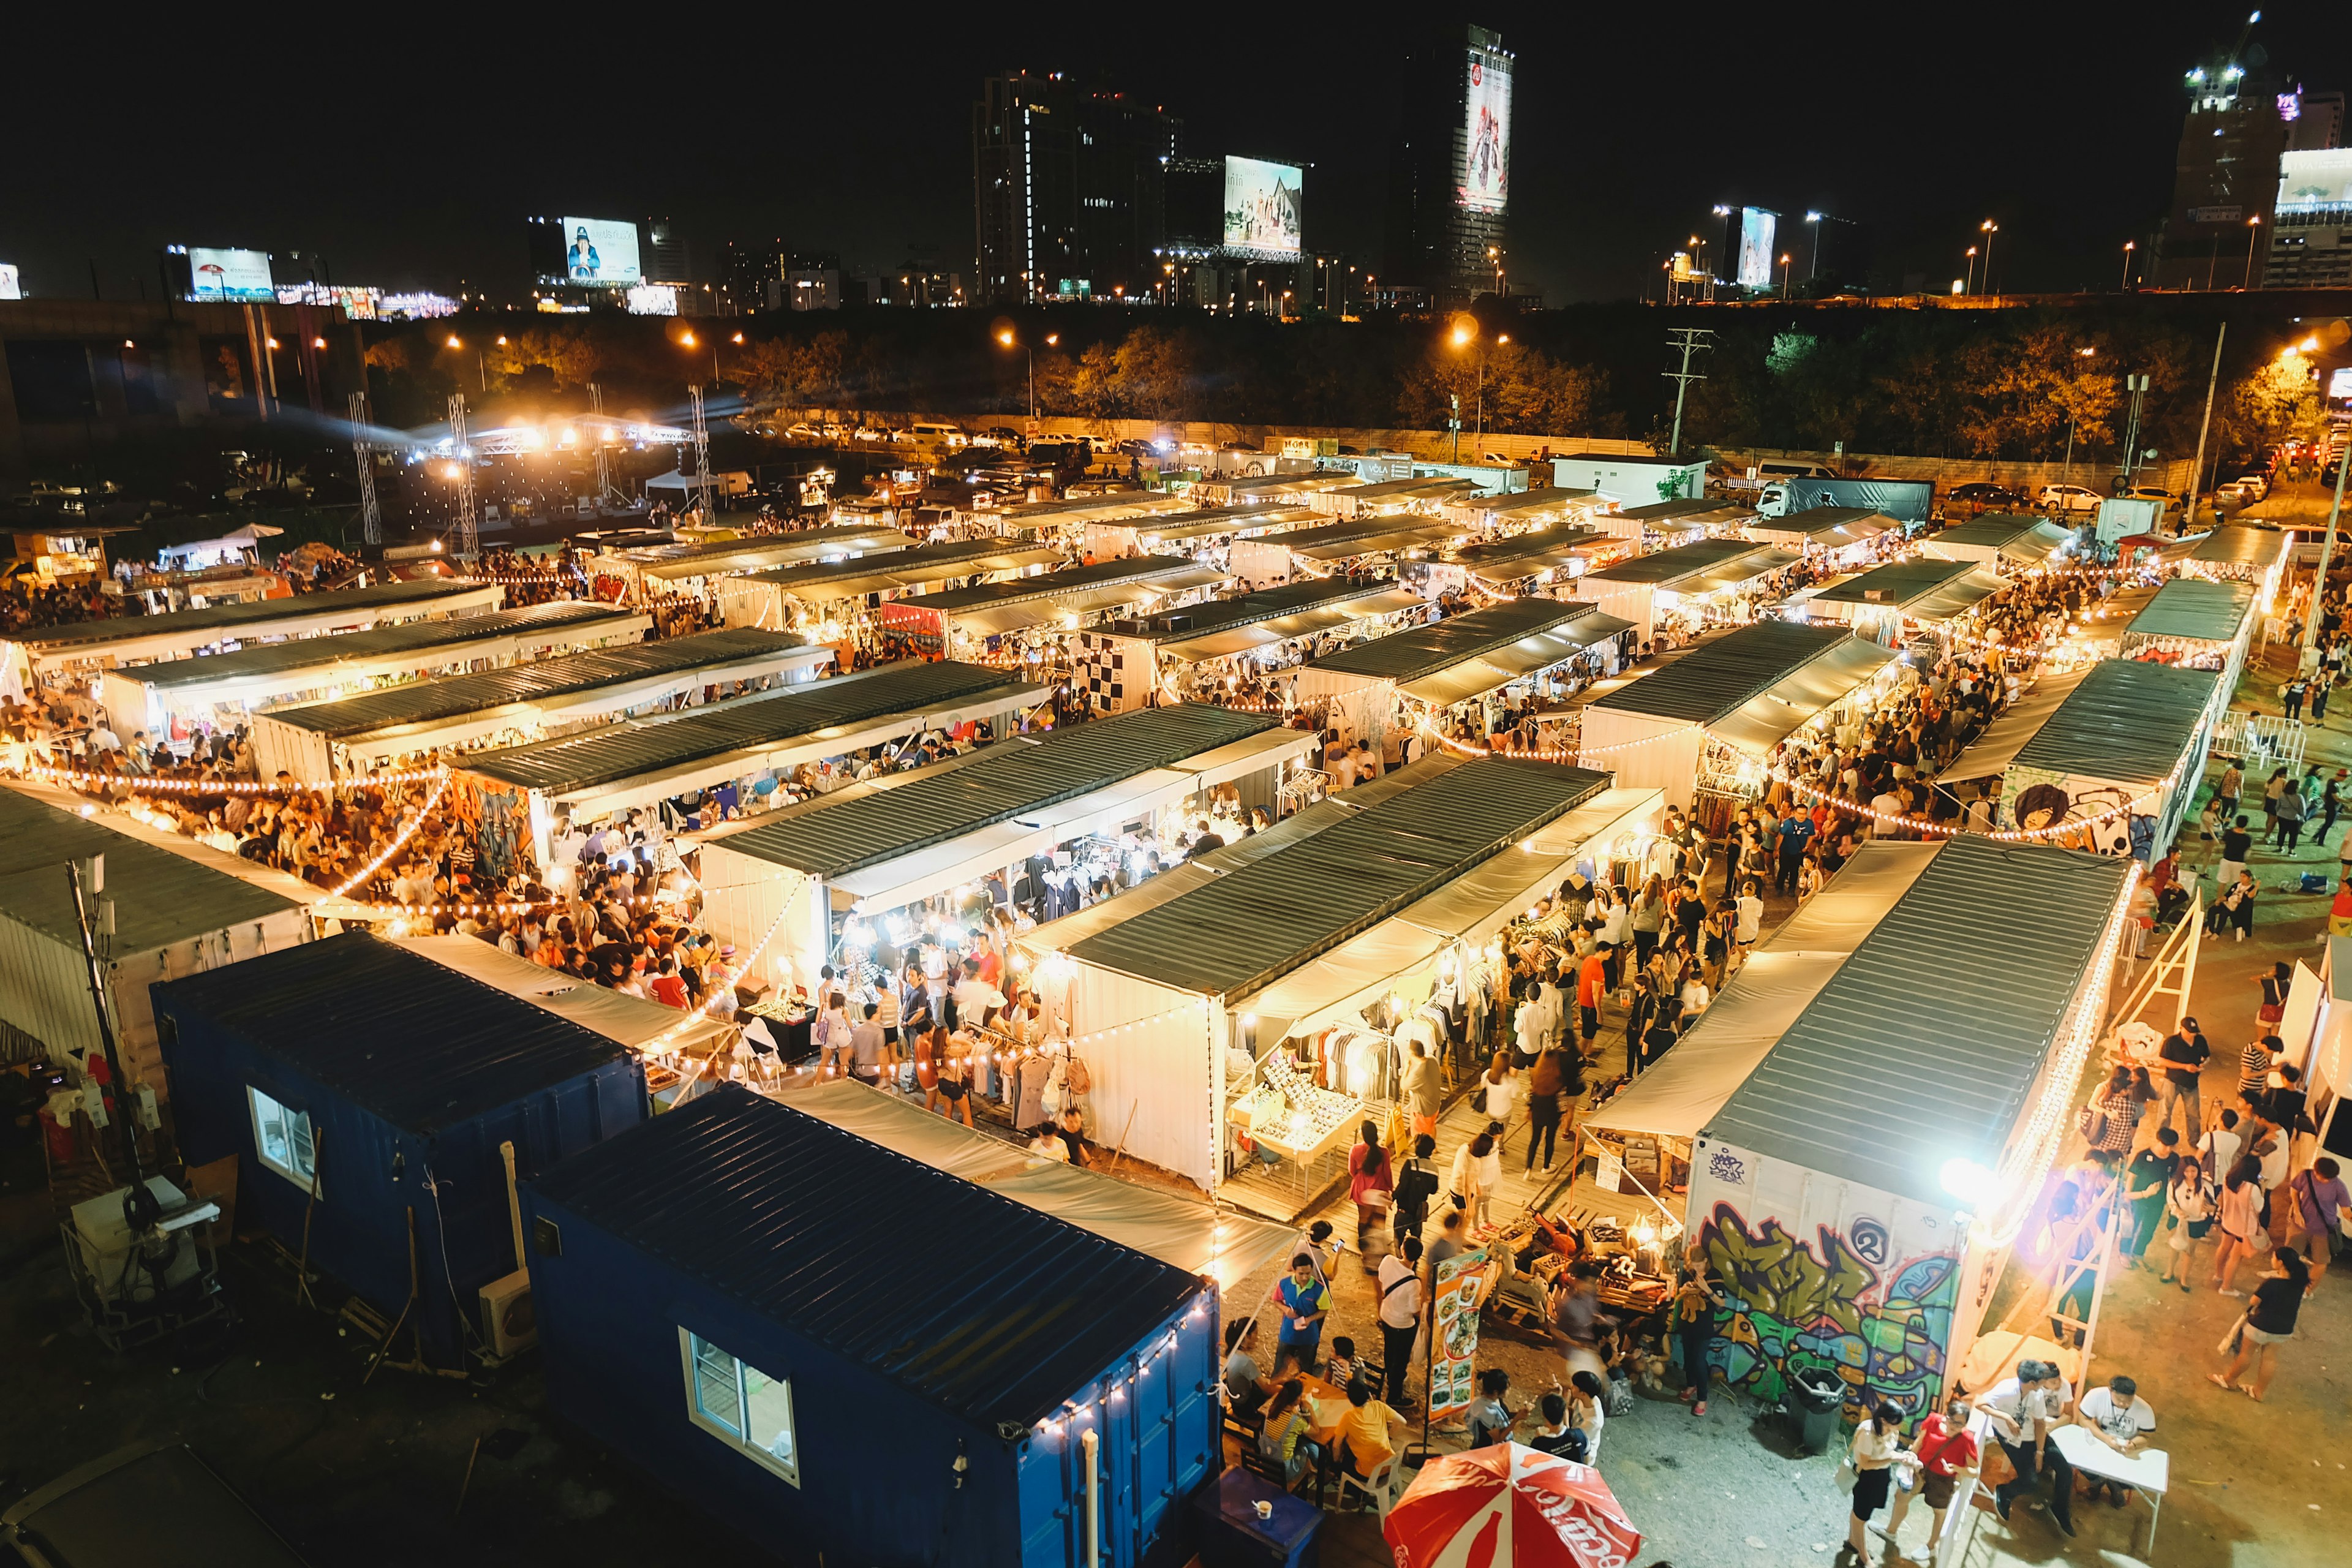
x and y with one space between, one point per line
1450 164
1066 189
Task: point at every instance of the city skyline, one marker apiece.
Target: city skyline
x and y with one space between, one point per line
402 174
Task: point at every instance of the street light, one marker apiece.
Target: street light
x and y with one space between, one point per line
1007 339
1972 270
2127 255
1988 228
1784 275
1466 331
481 374
2253 232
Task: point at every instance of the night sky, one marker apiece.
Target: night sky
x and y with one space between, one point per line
410 163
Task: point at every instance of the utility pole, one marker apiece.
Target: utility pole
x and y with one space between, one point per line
2197 472
1453 423
2327 552
1690 340
371 517
603 459
469 528
701 457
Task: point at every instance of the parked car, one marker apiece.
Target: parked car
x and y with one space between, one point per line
803 431
2068 498
2251 486
1983 496
870 433
2158 494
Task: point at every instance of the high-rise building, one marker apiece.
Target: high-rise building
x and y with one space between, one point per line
669 257
1067 189
2226 179
2311 220
1450 165
754 274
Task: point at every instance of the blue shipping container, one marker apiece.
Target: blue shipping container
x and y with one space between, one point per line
392 1080
807 1334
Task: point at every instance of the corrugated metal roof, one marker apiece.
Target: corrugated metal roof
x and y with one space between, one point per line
423 701
2240 544
1923 1048
730 554
1052 584
928 562
1355 530
636 746
2126 721
2195 608
1855 522
1684 560
159 897
1269 912
1018 775
1266 604
416 1043
228 618
1248 519
1424 650
1896 583
1005 1312
377 642
1994 530
1711 681
1688 509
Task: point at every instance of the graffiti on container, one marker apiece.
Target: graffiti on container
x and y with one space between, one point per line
1882 1325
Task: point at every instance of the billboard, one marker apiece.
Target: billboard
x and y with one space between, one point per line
2339 385
1262 207
2314 181
12 287
230 275
652 299
601 250
1758 229
1485 185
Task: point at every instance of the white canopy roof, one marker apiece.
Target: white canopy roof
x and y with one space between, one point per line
630 1020
1778 982
1993 751
1193 1235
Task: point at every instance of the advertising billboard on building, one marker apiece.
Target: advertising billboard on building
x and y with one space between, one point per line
601 250
242 275
12 287
1486 121
1758 228
1262 207
2316 181
652 299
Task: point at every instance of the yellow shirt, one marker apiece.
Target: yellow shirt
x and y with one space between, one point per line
1365 1429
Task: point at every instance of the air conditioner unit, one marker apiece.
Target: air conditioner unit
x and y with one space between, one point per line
509 1325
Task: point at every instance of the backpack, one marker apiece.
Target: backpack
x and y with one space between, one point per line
1415 1186
1080 1081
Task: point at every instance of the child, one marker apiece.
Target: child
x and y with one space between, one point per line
1342 1366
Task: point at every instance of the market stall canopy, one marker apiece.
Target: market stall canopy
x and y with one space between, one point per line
2103 635
1325 617
648 758
260 672
182 632
1695 511
2242 544
2119 719
1364 536
1700 567
227 546
1465 655
1195 1236
1508 560
991 609
633 1021
1111 508
1222 627
1255 911
1555 504
1928 591
1334 985
2195 609
865 838
1924 1046
1685 1089
2026 541
824 582
565 680
724 557
1755 686
1831 527
1245 521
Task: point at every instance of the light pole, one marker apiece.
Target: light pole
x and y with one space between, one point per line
1972 271
2067 477
1009 342
1465 333
1988 228
1813 262
2127 255
480 373
1784 275
2254 233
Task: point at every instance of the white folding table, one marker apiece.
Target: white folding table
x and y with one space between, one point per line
2147 1470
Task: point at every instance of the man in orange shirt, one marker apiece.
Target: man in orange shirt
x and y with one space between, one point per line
1592 982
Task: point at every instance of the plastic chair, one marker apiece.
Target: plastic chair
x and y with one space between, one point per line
1379 1487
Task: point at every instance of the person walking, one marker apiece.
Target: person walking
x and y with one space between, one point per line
1877 1444
2318 1203
1946 1450
2184 1054
2189 1204
1477 1170
1416 1183
2287 820
2243 1235
1695 1303
1553 1079
1371 1187
2292 694
2268 1322
1400 1315
1425 1090
2148 1184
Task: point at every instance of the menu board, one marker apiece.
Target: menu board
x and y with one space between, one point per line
1454 1342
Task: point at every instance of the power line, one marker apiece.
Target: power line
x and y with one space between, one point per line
1690 340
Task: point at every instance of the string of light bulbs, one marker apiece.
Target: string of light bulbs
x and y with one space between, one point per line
2014 835
145 784
399 841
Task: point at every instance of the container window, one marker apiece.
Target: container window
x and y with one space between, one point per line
281 1136
742 1407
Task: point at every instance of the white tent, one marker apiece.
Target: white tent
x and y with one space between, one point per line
632 1021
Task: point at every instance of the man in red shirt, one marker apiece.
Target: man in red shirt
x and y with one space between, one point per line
1947 1451
1592 982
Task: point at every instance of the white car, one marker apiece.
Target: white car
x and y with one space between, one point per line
2068 498
803 431
869 433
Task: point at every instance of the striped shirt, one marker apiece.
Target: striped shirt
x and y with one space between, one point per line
2253 1067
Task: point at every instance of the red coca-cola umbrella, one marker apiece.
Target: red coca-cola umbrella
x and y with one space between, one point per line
1509 1507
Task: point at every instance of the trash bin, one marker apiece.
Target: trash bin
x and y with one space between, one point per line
1816 1396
